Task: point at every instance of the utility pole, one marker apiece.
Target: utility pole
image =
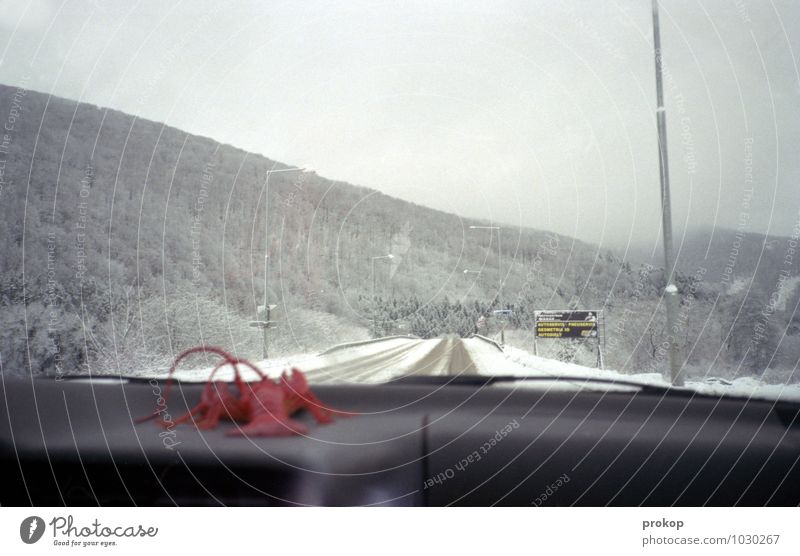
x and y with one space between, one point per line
499 258
266 325
671 293
263 321
266 305
374 299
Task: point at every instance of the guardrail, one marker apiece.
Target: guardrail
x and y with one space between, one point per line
346 345
488 340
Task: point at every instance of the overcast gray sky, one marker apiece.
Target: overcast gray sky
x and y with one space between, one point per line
529 113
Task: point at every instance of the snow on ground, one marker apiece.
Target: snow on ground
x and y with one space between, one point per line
786 291
738 285
369 363
270 367
490 360
410 362
742 387
360 362
383 360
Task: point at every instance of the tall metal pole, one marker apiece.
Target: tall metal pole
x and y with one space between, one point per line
671 293
500 268
266 265
374 302
499 256
267 312
374 299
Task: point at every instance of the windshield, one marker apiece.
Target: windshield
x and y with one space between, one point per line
414 189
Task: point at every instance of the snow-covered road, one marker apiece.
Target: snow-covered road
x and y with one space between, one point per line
386 359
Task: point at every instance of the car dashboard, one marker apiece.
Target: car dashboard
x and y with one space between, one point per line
75 442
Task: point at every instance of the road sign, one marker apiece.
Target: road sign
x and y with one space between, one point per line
566 324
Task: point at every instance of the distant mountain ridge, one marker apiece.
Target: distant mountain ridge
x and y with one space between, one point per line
105 211
732 257
127 240
730 254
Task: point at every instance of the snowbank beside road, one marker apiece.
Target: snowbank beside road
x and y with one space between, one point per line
743 386
385 360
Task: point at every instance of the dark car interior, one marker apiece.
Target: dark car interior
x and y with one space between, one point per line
418 441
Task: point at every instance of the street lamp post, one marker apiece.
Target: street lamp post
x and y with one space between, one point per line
671 292
374 299
264 324
499 257
477 273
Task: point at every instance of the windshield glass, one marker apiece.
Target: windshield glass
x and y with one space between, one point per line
410 189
